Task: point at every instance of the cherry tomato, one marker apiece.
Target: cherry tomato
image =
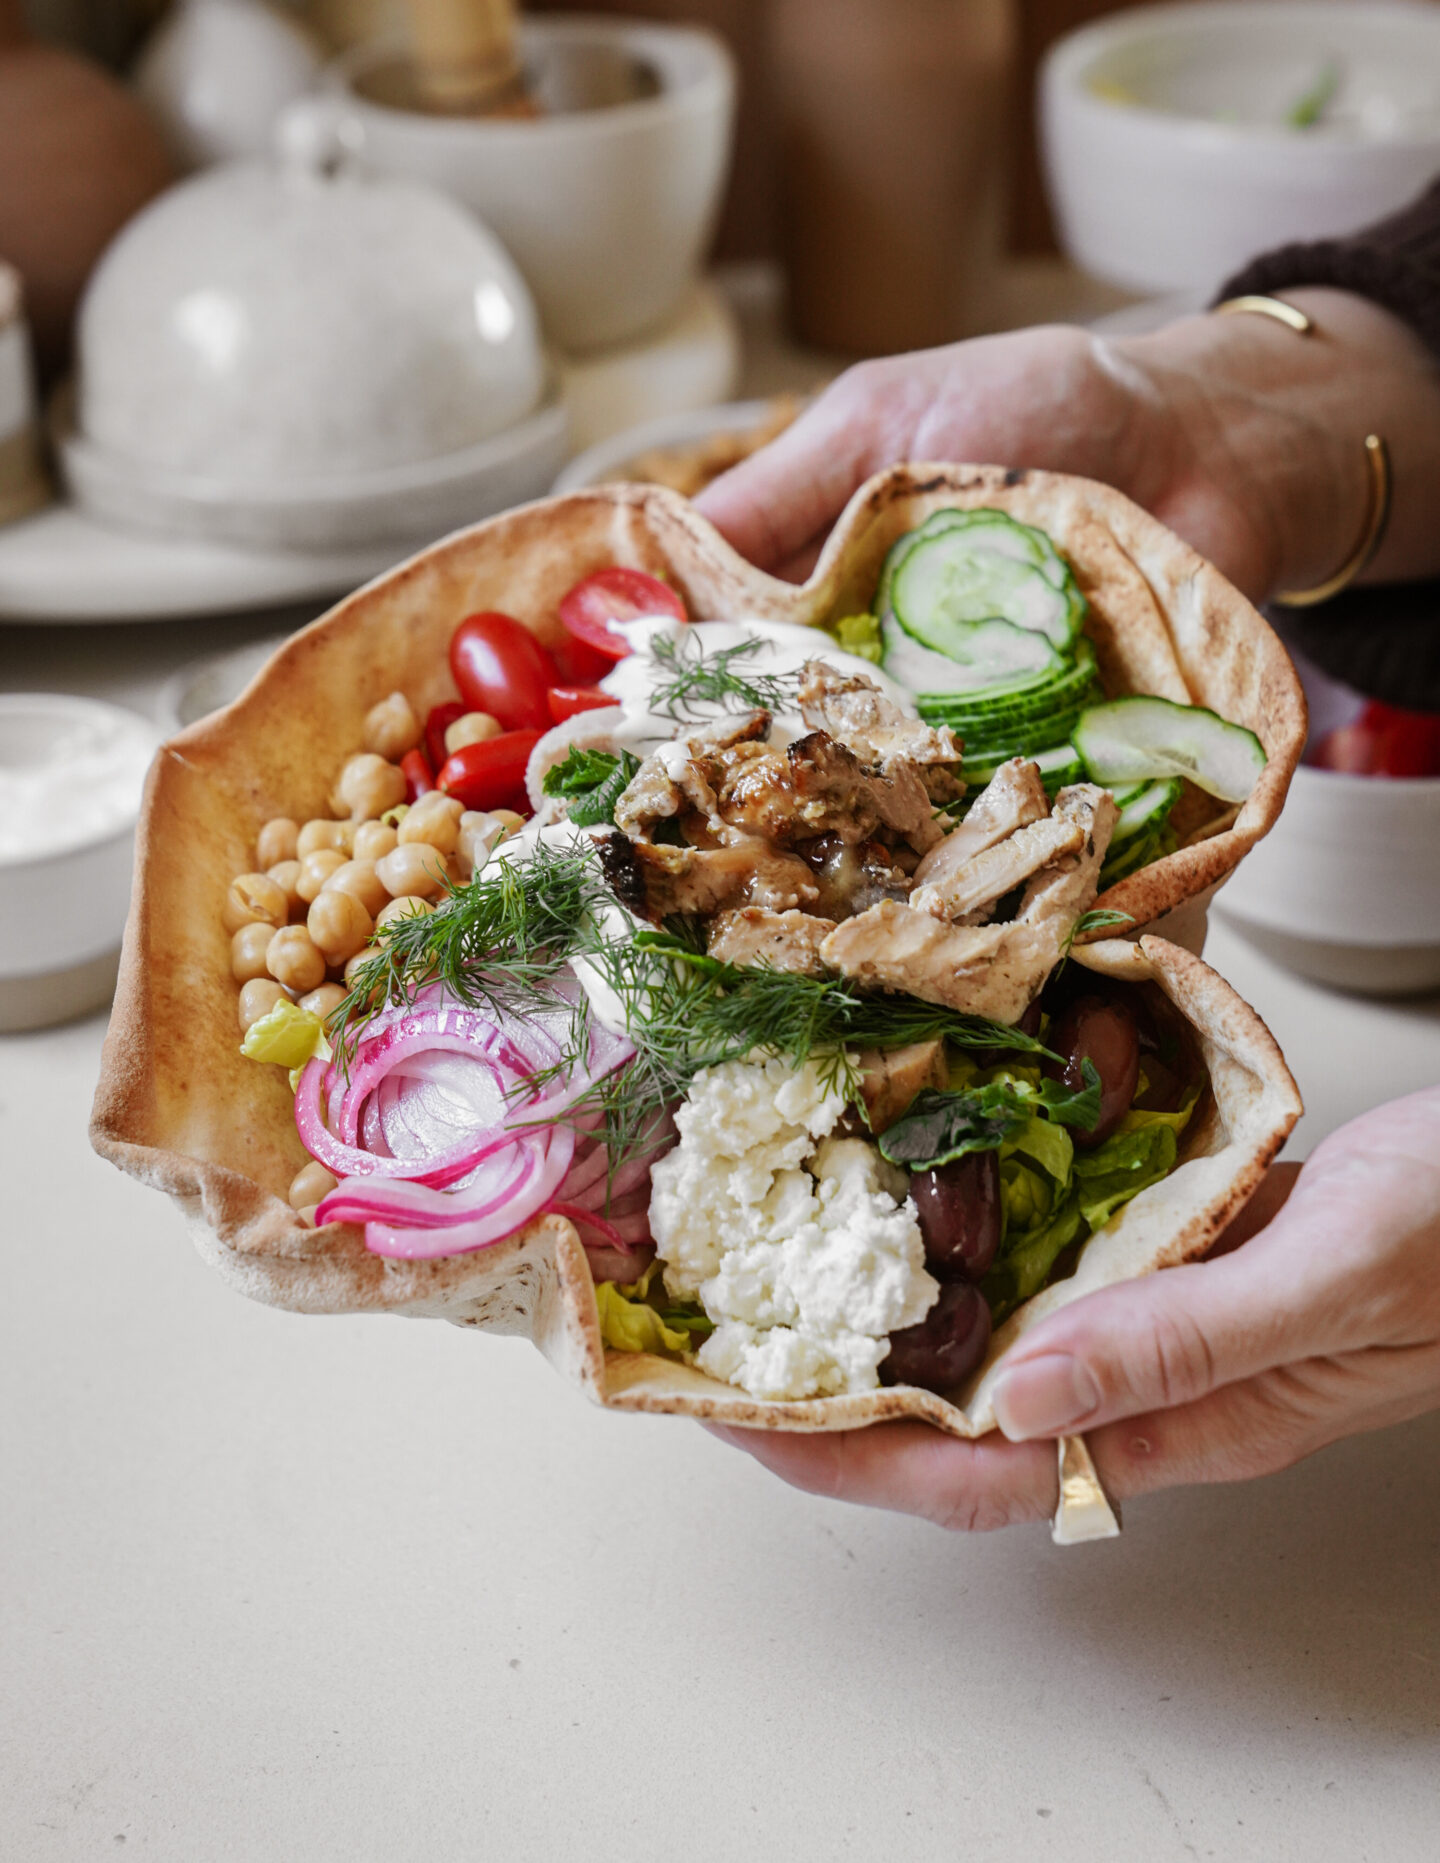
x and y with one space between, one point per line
419 777
436 725
579 665
565 701
502 669
615 595
491 775
1384 741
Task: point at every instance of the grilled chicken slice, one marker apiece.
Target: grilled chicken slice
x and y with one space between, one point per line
658 881
677 778
1012 799
756 936
837 794
987 970
857 714
891 1077
978 883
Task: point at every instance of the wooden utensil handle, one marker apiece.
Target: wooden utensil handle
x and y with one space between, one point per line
466 52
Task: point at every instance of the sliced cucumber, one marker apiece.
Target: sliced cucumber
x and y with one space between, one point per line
1022 739
1057 767
1136 853
1146 810
993 710
1134 739
988 653
950 582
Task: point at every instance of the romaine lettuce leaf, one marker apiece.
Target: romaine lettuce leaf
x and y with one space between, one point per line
1122 1167
1044 1144
1025 1267
288 1035
633 1325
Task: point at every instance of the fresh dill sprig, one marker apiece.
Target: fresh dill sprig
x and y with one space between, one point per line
497 943
692 678
1098 919
501 942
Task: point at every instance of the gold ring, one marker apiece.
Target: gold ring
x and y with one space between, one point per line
1377 459
1085 1511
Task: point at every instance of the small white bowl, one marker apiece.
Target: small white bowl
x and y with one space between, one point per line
1167 153
66 896
606 211
1346 887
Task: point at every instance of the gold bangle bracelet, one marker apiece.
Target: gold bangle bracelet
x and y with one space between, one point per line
1377 460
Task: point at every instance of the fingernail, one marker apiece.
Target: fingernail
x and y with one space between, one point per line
1044 1396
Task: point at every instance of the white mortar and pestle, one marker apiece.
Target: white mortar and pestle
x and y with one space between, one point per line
596 149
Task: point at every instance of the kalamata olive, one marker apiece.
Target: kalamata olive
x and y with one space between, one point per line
946 1346
959 1209
1093 1029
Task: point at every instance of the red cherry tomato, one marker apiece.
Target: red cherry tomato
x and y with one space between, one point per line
502 669
1384 741
419 777
490 775
436 725
615 595
565 701
579 665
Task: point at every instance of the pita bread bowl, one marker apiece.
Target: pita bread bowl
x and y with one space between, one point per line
956 1039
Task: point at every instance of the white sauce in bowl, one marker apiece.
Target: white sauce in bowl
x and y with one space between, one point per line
71 773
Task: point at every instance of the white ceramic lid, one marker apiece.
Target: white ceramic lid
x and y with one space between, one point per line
277 322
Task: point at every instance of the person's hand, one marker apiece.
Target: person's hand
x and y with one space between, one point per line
1241 436
1320 1319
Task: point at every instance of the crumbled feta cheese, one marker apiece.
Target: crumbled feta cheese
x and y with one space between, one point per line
803 1249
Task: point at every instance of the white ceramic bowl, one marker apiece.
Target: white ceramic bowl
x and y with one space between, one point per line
298 354
64 901
1346 887
1166 148
607 211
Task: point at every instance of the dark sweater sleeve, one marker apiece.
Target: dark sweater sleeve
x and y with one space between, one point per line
1396 262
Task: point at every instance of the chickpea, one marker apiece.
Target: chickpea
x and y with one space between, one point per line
358 878
294 959
368 786
276 842
319 834
285 874
405 907
353 965
324 1001
415 869
471 728
248 947
374 840
315 870
257 998
253 897
391 727
508 820
310 1186
434 819
339 925
307 1215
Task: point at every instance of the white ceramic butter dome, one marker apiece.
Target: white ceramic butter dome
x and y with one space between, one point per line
290 351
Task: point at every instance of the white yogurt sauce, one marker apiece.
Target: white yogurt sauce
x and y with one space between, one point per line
784 649
71 772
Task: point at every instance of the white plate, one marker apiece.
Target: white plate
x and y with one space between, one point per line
609 457
61 567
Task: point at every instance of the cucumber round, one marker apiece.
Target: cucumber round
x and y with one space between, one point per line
984 654
1057 767
1133 740
951 582
1145 811
991 713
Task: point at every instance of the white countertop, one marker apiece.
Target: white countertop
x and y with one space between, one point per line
274 1587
